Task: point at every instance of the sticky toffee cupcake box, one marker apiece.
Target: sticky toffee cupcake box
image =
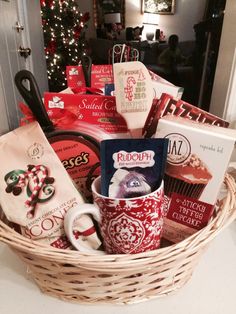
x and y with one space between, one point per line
198 156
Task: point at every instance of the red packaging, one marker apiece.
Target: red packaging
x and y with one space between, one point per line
168 105
75 76
101 75
181 108
152 119
99 111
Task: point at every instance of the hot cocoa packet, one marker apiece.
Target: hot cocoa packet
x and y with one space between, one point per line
36 190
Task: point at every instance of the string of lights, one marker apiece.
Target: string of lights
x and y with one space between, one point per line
64 29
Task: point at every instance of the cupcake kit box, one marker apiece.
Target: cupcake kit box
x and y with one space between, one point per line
198 156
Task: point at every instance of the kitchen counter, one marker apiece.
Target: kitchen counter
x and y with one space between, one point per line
211 290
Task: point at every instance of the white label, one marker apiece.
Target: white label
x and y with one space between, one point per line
73 71
133 159
56 103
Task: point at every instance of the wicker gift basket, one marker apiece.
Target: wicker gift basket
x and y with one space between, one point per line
87 278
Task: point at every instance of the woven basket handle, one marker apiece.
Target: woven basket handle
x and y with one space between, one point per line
1 228
5 231
228 204
1 222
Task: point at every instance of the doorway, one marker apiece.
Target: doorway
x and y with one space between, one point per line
208 37
21 42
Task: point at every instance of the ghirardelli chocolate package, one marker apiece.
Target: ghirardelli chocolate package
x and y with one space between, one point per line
198 156
35 189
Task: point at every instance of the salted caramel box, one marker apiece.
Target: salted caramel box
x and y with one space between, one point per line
198 156
101 76
98 111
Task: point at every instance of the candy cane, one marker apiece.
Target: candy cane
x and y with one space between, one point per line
129 89
32 174
38 183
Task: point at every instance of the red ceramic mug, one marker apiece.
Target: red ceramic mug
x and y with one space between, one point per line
131 225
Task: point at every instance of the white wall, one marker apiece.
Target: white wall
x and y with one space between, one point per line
187 13
87 6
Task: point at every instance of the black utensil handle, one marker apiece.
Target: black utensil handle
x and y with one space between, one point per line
33 98
87 67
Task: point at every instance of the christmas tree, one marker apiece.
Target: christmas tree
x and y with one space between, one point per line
64 38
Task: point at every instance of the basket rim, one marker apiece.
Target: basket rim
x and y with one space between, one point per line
225 214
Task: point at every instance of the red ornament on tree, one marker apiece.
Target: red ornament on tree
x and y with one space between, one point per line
77 32
51 47
85 17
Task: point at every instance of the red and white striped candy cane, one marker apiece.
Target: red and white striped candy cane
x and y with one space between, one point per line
129 88
37 183
33 174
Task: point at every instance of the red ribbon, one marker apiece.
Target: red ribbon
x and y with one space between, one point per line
85 233
63 118
28 114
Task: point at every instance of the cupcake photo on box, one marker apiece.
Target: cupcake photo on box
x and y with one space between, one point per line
188 178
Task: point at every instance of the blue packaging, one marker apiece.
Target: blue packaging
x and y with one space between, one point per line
109 89
132 167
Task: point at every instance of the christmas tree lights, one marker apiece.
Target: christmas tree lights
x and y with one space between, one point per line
64 38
